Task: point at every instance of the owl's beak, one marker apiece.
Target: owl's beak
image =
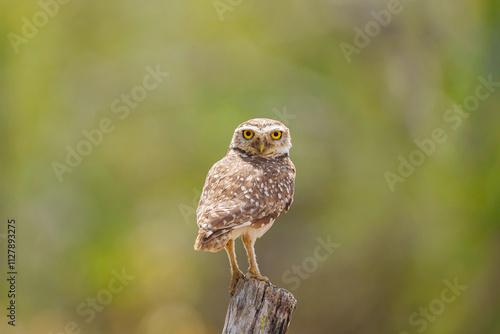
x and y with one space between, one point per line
259 145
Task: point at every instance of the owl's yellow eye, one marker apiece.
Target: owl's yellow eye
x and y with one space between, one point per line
247 134
276 135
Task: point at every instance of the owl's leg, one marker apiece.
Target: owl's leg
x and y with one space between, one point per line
235 270
253 270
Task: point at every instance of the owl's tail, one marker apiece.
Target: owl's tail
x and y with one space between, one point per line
211 242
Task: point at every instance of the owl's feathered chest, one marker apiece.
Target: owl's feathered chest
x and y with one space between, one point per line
243 188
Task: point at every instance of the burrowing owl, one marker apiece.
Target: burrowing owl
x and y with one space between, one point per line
246 191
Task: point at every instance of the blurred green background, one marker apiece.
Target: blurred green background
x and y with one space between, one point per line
129 204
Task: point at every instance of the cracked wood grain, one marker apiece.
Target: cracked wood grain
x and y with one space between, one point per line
257 307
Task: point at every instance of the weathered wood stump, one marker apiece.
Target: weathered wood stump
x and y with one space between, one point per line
257 307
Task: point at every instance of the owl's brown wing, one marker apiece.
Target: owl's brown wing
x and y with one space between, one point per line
221 206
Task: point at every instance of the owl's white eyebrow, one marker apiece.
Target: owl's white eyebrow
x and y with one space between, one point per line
249 127
255 129
270 128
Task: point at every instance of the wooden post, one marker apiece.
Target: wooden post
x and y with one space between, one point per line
257 307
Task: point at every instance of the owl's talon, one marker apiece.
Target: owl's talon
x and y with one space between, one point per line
232 288
258 277
234 280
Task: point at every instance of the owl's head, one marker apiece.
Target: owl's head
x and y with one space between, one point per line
262 137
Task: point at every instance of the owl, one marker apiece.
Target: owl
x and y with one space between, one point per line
246 191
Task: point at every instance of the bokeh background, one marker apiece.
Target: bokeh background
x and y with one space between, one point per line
129 204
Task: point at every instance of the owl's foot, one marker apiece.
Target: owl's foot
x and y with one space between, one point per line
237 275
258 277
